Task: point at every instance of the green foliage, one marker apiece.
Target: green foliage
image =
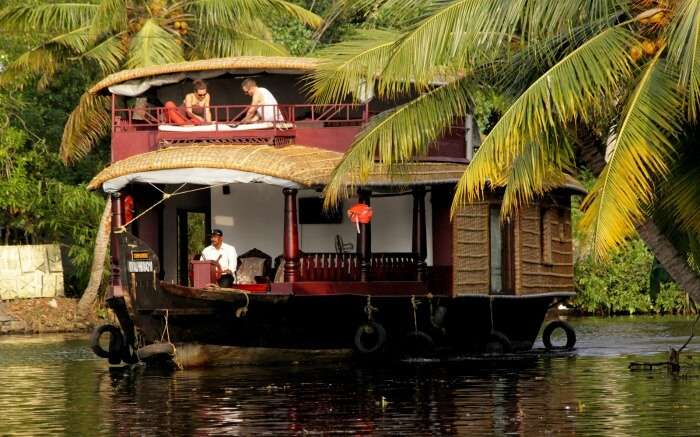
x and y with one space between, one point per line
40 209
622 284
618 286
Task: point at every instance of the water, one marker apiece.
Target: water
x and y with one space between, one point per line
53 385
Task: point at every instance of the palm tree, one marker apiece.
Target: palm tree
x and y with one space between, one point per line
116 34
625 73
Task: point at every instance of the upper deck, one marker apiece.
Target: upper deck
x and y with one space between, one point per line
140 121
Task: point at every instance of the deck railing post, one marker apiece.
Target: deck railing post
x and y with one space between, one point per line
364 239
115 282
291 236
419 243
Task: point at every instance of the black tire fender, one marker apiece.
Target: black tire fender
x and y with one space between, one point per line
418 344
568 330
500 339
370 338
116 343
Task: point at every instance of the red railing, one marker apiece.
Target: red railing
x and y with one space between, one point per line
331 266
336 114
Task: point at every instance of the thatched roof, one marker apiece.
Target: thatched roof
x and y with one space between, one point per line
306 166
244 63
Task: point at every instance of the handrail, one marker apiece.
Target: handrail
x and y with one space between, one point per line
336 113
324 266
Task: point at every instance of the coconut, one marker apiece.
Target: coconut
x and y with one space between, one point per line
649 47
636 53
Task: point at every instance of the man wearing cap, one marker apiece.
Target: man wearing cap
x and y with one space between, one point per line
224 254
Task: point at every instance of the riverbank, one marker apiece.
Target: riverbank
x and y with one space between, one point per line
43 315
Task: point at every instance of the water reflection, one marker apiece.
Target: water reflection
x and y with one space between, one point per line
52 385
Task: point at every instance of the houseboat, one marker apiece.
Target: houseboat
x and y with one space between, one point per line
401 279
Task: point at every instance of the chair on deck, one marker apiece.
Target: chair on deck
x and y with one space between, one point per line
254 267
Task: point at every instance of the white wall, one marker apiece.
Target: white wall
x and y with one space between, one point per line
252 216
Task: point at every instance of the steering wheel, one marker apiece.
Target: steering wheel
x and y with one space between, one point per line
339 245
217 271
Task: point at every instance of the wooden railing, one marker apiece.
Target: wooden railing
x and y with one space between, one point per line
335 114
331 266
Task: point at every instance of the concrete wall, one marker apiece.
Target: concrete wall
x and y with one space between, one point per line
252 216
30 271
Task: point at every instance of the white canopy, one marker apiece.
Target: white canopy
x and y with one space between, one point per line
196 176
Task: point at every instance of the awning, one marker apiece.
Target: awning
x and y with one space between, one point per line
283 166
196 176
136 81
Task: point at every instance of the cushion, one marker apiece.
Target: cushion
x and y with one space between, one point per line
249 269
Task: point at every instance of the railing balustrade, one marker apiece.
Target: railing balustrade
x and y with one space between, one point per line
335 114
332 266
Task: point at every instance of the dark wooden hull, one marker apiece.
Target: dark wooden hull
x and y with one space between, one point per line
457 325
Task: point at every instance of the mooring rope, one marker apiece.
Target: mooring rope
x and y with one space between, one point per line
414 304
369 309
167 196
240 312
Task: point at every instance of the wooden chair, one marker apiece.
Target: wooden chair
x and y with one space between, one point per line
254 267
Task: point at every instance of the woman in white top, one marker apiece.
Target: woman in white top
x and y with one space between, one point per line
263 107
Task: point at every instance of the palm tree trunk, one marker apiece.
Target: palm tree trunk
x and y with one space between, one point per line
87 301
669 257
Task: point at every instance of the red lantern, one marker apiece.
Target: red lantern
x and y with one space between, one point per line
360 213
128 206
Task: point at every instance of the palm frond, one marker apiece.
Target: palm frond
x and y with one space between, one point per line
644 144
109 54
153 45
537 170
110 18
395 11
684 51
38 62
450 31
348 65
680 195
234 12
542 19
47 17
88 122
399 135
223 41
76 40
572 89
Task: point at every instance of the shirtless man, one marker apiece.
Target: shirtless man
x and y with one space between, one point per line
197 103
263 107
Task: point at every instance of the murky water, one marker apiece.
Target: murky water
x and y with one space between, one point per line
54 385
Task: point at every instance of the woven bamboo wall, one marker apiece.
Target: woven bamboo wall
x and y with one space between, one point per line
544 253
470 246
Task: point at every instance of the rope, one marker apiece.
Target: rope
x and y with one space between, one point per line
166 330
167 196
240 312
414 304
369 309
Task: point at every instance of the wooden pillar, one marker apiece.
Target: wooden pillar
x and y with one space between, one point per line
115 282
291 236
419 244
364 239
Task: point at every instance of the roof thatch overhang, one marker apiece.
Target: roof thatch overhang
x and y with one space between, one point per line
242 64
305 166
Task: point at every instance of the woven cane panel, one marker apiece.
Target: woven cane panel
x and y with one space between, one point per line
470 247
545 258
